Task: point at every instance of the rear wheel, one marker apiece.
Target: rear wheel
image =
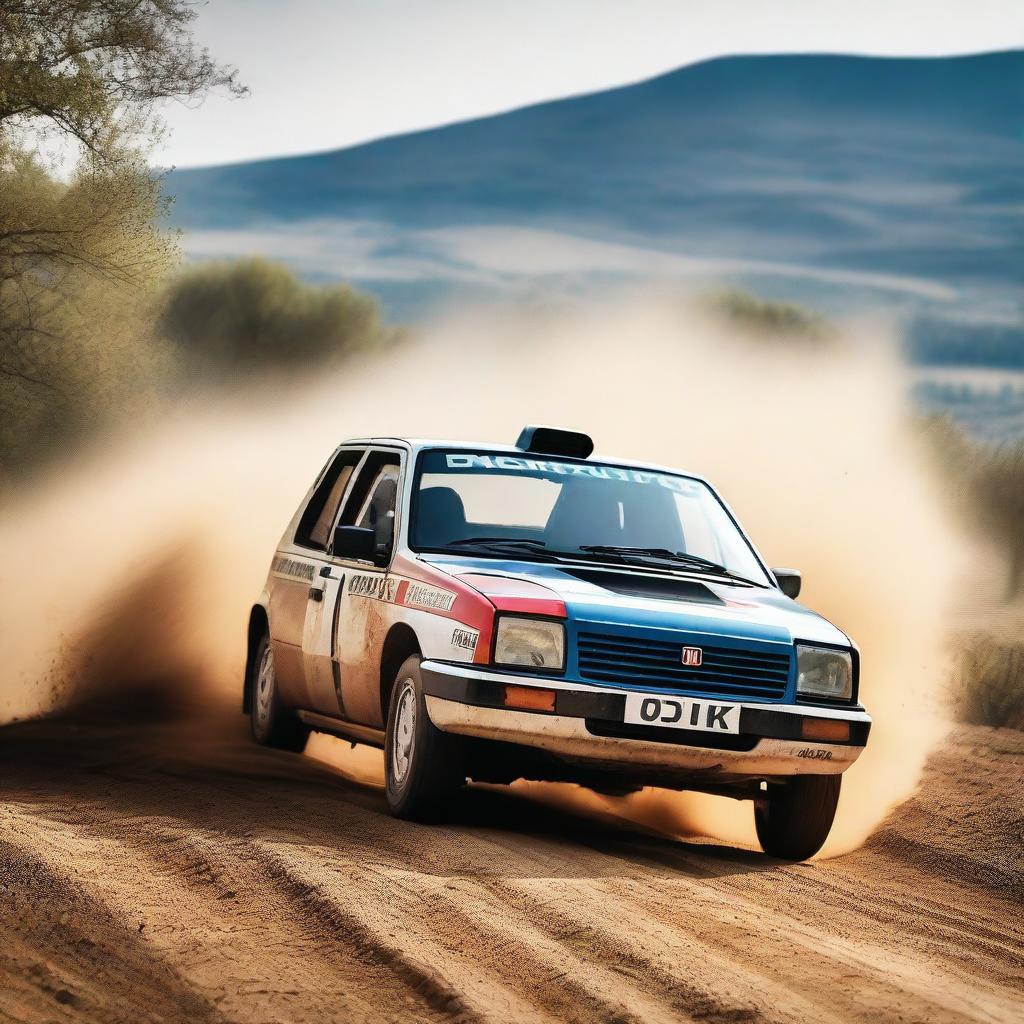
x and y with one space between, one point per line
423 767
794 817
272 725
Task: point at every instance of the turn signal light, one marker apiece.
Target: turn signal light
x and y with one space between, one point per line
530 698
831 730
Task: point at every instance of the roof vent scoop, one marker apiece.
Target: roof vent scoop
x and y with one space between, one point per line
553 441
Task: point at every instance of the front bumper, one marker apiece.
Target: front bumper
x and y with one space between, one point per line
587 728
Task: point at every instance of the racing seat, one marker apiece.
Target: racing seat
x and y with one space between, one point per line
587 511
599 512
654 521
440 516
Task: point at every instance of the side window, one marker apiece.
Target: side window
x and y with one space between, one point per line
315 525
373 499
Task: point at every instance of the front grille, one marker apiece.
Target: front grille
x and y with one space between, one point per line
626 661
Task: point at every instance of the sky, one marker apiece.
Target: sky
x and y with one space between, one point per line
324 74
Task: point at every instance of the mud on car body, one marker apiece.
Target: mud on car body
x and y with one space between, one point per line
492 613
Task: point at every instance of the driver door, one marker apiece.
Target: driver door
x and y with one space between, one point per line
336 642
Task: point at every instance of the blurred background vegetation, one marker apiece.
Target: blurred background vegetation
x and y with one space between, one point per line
99 323
253 315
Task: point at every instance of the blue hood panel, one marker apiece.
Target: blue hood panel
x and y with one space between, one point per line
733 620
745 612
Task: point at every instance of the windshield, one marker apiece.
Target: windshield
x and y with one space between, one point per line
527 506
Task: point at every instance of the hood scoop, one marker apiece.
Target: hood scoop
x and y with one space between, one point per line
655 588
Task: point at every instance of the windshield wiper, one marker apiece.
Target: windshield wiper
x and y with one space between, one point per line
678 557
502 544
465 541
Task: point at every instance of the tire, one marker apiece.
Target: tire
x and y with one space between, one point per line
272 724
794 818
423 767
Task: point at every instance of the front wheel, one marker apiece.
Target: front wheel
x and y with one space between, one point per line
423 767
793 818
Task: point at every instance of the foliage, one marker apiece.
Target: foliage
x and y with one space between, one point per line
998 480
91 70
987 486
253 314
77 269
756 315
79 258
989 683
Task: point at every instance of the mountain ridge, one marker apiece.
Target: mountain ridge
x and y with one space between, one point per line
892 167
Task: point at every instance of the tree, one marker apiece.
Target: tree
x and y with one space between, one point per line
74 308
77 257
92 70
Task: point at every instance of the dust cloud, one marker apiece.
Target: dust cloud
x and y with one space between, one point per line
128 576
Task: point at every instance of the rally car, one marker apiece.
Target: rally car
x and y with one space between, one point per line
493 613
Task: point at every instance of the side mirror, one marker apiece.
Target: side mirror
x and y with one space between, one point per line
359 542
789 581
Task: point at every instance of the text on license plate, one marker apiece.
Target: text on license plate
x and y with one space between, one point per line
682 713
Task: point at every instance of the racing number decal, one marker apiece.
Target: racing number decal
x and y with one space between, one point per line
681 713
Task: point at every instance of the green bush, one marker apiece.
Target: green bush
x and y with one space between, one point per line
254 315
754 315
989 683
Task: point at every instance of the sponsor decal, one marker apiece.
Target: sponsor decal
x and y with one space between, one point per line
549 467
815 754
692 656
465 638
424 596
382 588
283 566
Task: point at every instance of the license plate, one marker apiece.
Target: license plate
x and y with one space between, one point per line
682 713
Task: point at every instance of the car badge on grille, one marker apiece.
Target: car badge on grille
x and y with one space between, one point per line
692 656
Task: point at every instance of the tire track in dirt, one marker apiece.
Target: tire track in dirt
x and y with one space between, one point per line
463 957
64 954
651 955
794 953
470 934
204 907
213 881
938 926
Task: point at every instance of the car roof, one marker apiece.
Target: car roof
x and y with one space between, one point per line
417 444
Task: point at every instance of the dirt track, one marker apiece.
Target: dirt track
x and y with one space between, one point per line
165 873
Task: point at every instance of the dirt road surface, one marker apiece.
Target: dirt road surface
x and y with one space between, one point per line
178 873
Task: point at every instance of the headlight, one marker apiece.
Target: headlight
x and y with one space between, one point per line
824 673
531 643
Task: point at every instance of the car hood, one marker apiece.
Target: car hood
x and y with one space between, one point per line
621 596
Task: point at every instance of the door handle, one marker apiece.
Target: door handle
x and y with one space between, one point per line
317 593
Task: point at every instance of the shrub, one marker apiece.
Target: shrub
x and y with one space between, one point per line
989 683
253 314
755 315
999 488
986 484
